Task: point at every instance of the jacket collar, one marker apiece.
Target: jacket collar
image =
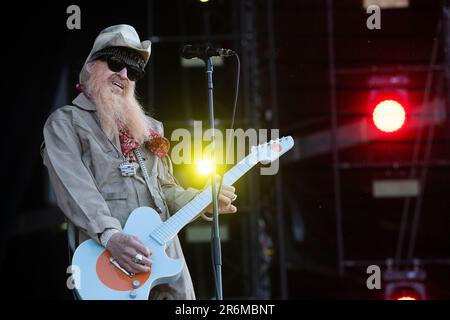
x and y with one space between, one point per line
81 101
84 103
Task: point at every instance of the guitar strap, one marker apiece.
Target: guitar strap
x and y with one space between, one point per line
139 158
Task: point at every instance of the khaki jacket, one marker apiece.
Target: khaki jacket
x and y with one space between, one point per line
83 169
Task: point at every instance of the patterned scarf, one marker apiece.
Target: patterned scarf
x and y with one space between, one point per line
157 144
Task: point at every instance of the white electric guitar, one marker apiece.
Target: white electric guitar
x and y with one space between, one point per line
100 277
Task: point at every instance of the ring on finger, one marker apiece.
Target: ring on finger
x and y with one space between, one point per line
138 258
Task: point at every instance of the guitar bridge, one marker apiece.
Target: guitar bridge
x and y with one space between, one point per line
117 265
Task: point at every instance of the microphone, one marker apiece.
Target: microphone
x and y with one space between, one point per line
189 51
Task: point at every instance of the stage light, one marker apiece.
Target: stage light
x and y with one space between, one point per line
406 298
204 167
204 0
405 290
389 116
405 285
411 291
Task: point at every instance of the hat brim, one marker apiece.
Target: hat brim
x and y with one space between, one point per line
143 48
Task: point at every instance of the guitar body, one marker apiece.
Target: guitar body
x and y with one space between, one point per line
100 279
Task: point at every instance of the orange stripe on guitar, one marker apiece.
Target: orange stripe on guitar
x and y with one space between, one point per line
115 279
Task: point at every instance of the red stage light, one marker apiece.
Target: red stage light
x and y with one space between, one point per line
406 298
404 292
389 116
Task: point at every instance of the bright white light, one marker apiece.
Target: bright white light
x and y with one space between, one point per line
204 167
389 116
406 298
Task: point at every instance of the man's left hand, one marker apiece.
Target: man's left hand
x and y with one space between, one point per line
226 196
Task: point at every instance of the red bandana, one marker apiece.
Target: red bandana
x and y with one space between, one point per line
158 145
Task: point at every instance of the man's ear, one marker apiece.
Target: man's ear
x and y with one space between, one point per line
90 66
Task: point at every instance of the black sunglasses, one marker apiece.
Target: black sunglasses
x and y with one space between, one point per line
116 64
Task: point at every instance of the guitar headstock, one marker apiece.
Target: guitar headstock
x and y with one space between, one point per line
272 150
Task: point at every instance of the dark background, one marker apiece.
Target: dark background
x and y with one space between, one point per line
311 230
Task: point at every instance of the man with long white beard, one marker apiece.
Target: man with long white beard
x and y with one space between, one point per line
93 148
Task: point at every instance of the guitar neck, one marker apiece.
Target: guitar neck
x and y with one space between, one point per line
174 224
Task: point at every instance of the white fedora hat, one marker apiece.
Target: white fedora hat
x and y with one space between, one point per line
121 35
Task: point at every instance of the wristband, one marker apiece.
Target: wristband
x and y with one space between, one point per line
106 235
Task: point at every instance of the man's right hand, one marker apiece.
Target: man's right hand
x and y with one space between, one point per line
124 248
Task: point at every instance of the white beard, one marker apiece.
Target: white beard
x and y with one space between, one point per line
116 109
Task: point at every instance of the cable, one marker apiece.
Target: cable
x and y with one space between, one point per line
233 117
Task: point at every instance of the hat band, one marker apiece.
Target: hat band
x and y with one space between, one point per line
127 55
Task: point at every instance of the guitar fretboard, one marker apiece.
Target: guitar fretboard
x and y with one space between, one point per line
166 231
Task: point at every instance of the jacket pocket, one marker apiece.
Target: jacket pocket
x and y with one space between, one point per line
118 205
115 195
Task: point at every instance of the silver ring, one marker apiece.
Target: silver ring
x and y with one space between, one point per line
138 258
234 198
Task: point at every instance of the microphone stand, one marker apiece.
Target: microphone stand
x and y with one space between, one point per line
217 251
